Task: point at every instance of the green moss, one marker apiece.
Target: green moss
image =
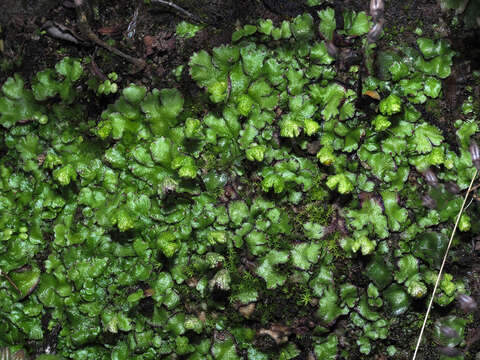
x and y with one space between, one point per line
315 212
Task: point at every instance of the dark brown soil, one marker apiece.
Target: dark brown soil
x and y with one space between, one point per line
27 49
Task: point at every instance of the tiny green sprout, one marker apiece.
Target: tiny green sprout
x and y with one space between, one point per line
305 297
177 72
364 345
43 119
113 76
107 88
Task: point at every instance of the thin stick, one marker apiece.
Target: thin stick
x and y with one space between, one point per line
470 203
10 281
475 187
178 8
442 266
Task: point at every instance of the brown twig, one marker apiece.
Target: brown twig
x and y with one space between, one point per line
178 8
96 70
10 281
474 188
90 35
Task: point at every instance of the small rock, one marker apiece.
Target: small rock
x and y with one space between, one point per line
192 282
448 332
452 187
430 178
466 303
247 310
429 202
279 333
148 292
477 246
449 351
